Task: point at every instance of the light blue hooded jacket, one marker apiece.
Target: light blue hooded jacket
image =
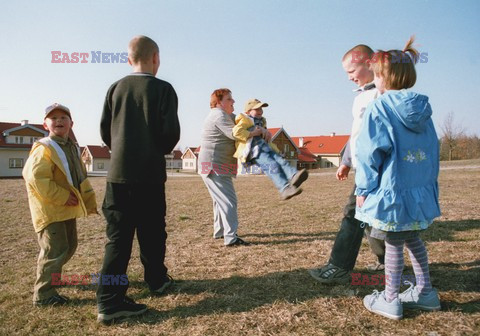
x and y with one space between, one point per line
398 161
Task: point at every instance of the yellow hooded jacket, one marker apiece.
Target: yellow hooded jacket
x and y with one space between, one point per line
49 183
241 134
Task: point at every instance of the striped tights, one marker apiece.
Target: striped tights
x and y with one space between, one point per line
394 265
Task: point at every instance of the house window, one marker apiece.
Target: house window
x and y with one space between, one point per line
286 148
19 140
100 165
15 163
328 164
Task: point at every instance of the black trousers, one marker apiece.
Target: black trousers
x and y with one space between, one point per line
347 243
130 208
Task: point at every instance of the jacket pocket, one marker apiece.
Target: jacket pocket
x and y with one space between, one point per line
88 197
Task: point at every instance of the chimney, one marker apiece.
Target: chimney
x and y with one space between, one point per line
300 142
332 134
24 122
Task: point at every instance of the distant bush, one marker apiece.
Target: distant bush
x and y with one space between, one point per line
460 148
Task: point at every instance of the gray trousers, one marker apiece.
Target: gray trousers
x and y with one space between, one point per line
225 217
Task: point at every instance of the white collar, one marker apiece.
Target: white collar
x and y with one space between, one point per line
366 87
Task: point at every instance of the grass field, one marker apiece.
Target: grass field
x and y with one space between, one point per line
263 289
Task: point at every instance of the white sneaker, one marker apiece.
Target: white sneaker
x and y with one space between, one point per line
412 299
377 303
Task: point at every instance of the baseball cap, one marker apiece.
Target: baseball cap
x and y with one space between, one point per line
253 104
57 106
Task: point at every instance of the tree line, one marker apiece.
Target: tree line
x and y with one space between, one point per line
455 144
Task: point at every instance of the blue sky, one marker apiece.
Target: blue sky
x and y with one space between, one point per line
286 53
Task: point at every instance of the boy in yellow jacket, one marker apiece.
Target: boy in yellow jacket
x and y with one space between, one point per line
58 192
257 150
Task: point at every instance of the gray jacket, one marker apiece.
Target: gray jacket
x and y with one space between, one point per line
218 144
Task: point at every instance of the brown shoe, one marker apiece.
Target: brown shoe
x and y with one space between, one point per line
55 300
300 177
289 192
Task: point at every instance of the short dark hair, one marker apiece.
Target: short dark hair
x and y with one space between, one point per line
141 48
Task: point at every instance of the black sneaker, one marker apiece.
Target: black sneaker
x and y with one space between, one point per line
330 275
238 242
160 290
126 309
56 300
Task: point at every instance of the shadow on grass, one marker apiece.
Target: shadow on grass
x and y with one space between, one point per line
445 231
241 294
294 237
461 277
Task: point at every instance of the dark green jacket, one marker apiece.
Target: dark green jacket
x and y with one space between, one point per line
140 125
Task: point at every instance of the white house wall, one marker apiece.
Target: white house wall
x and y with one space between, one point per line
173 164
189 164
5 155
97 162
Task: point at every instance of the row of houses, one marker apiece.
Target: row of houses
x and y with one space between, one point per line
309 152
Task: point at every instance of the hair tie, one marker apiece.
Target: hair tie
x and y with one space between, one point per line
412 56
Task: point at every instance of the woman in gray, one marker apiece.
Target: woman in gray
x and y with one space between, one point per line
217 165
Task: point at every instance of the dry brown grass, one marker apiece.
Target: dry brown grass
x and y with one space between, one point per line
263 289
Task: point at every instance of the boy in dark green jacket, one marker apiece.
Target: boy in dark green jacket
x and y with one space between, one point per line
140 125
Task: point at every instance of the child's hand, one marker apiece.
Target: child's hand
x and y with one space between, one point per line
257 131
342 172
267 136
72 200
360 200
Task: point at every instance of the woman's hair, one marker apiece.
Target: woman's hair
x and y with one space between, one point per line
397 67
217 96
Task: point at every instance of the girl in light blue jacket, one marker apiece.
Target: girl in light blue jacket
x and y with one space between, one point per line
396 178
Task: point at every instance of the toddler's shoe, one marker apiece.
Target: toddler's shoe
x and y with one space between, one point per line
300 177
289 192
412 299
376 267
377 303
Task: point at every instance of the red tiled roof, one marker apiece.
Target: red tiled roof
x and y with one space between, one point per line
323 144
274 131
194 150
306 156
99 152
177 155
5 126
